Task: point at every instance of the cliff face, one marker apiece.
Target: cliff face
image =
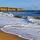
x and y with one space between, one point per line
7 9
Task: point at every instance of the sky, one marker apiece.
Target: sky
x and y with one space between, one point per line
26 4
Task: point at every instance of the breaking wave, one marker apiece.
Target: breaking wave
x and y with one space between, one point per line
9 18
6 14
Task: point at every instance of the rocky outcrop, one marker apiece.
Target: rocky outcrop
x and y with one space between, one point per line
7 9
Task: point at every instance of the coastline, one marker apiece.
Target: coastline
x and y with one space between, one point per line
7 36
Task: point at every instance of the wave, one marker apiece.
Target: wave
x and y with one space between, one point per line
6 14
34 19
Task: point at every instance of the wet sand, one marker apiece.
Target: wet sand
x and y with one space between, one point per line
6 36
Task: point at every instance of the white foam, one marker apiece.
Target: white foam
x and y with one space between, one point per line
6 14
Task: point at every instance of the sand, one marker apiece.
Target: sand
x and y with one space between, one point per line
6 36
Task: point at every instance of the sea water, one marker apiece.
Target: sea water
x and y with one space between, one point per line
9 18
9 24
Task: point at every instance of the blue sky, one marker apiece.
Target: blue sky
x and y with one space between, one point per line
27 4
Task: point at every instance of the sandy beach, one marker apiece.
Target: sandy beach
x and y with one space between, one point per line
6 36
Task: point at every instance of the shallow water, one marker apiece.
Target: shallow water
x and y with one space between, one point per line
6 18
31 31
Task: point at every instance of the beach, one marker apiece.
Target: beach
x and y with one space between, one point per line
13 28
4 19
6 36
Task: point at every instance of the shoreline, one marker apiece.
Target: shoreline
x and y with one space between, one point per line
7 36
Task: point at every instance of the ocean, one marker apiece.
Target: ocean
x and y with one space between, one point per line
28 30
8 17
26 13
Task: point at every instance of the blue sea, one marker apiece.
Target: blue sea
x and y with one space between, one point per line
26 13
